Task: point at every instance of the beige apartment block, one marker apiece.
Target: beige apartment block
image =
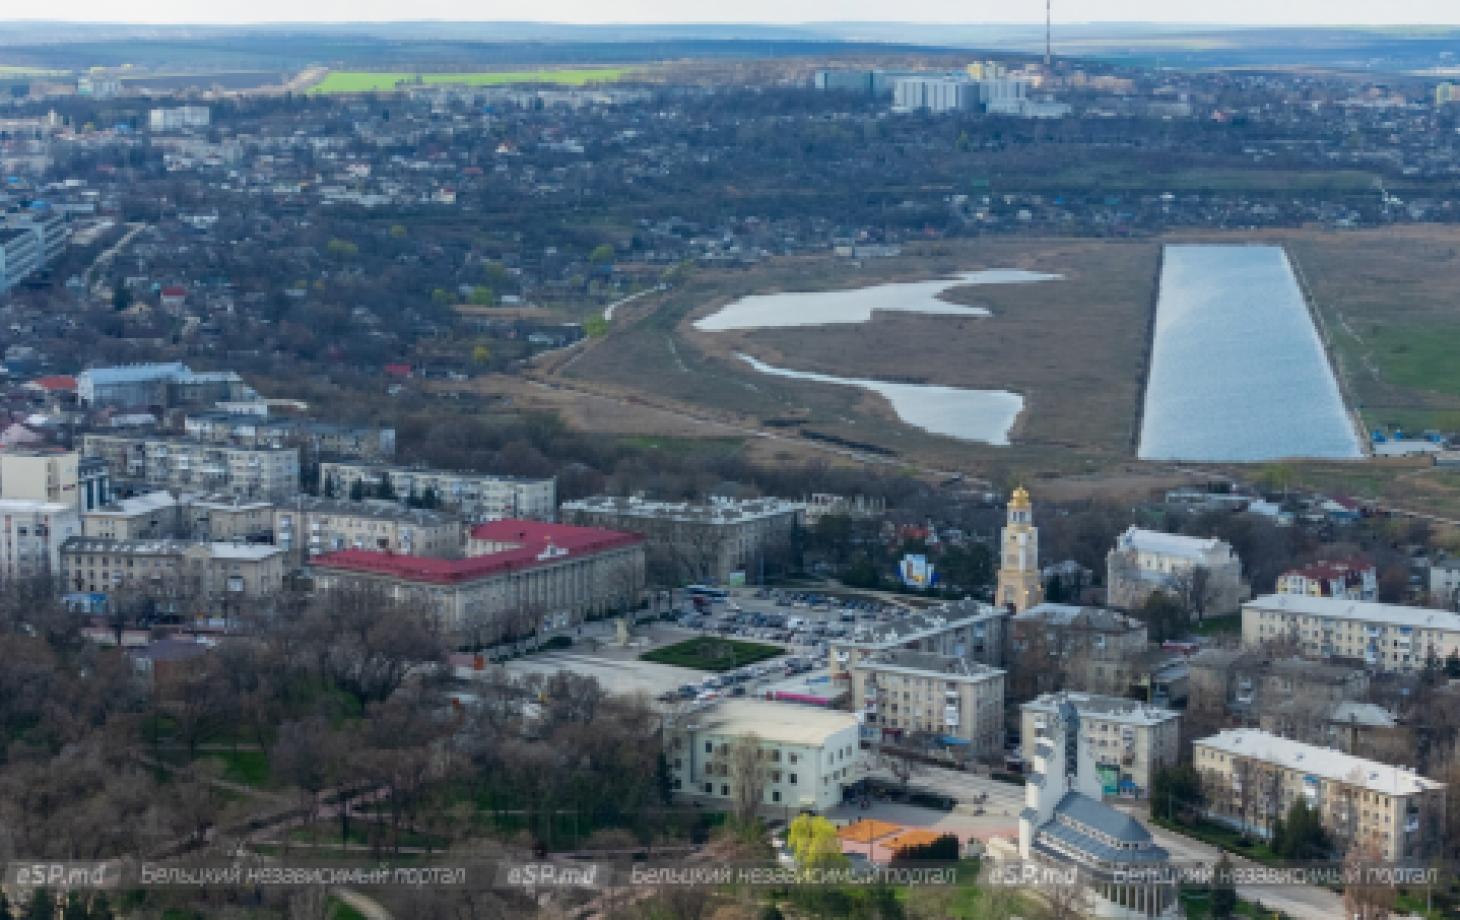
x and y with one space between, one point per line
1129 740
928 700
1252 777
1385 637
211 573
309 527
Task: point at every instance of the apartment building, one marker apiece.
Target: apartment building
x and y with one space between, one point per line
1250 687
53 475
1202 571
962 629
474 496
539 577
1385 637
906 697
1129 740
309 527
1058 646
326 439
1354 579
807 756
208 573
1252 777
228 519
31 536
29 242
699 541
184 465
151 516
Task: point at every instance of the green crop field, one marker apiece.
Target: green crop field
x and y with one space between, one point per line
707 653
363 81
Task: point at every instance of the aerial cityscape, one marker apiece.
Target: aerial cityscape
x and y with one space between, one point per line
808 465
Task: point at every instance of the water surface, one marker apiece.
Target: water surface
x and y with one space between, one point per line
1238 372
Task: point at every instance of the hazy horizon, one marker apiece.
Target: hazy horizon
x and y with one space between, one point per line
1237 13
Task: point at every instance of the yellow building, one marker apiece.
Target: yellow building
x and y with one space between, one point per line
1020 586
1252 777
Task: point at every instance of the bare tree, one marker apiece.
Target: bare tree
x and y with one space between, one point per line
748 775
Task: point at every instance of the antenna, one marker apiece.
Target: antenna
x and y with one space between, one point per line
1048 44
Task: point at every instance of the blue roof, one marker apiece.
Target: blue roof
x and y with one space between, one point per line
136 373
1101 817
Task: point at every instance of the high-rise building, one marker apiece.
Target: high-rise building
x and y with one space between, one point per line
1020 586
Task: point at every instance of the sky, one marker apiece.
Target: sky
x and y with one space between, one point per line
1254 12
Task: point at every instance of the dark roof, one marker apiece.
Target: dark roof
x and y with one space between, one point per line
1101 817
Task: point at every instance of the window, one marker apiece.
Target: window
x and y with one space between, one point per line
775 795
709 788
709 747
724 790
793 779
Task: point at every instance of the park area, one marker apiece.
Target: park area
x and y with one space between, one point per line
707 653
369 81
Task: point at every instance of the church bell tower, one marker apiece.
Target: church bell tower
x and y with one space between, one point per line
1020 586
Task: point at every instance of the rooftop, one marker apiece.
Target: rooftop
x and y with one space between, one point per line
1319 761
140 504
378 469
1359 611
1110 708
922 625
33 506
719 510
1170 544
1098 618
251 552
378 509
783 723
907 661
535 544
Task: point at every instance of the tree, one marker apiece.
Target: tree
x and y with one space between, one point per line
1175 790
481 354
482 296
1300 836
385 488
1164 616
1362 899
42 906
602 254
1224 892
946 848
121 297
813 841
747 778
357 490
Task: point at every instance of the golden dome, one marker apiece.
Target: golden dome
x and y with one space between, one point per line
1020 498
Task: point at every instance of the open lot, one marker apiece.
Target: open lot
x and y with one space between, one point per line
364 81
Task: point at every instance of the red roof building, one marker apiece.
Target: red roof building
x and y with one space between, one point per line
55 383
1355 579
562 573
399 371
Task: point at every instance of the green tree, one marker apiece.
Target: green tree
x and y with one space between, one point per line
483 296
441 297
814 843
397 231
481 354
342 249
595 327
1224 892
1174 790
1164 616
42 906
75 908
602 254
1300 835
121 297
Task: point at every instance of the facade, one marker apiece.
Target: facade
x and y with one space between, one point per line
474 496
1252 777
1384 637
936 94
41 475
151 516
1284 695
191 466
209 573
308 527
1205 573
29 242
539 577
1122 873
948 701
1128 740
1349 579
1445 584
223 518
808 756
822 504
360 442
143 386
178 118
31 536
691 541
1020 584
963 629
1059 646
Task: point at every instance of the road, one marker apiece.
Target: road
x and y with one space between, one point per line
111 252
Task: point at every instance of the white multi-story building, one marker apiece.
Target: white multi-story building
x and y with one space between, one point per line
150 516
475 496
1251 776
935 94
1202 570
190 466
808 756
178 118
948 702
31 534
1129 740
311 526
1386 637
961 629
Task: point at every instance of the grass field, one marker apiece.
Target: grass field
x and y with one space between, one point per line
706 653
364 81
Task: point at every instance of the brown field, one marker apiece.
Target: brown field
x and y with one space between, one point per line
1075 349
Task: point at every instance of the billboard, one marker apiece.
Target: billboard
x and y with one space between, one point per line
917 572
